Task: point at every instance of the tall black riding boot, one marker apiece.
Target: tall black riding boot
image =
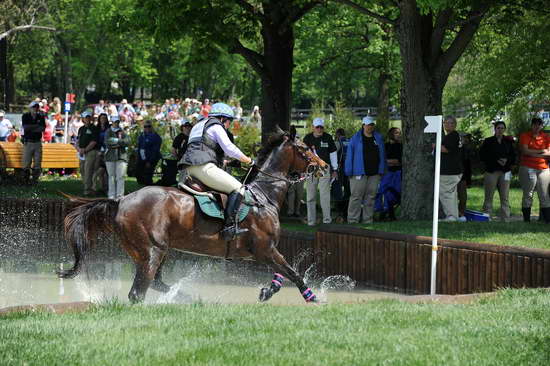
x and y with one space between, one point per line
526 214
545 213
231 229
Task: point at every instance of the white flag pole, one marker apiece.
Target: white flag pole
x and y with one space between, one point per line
66 133
434 125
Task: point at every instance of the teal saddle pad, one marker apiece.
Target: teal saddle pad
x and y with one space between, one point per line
212 208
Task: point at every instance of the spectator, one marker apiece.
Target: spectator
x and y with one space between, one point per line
237 109
365 164
498 155
55 108
179 145
323 145
149 143
256 118
74 126
533 169
12 137
44 106
205 108
389 193
342 182
116 159
59 131
451 170
48 132
466 180
88 147
295 191
101 108
5 127
34 124
99 179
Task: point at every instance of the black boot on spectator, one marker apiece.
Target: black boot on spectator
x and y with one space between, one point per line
545 213
526 214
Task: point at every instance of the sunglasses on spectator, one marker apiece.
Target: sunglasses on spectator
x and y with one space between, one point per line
319 127
147 126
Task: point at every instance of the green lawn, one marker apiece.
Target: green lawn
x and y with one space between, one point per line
508 329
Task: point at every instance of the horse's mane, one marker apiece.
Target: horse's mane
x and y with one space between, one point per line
273 141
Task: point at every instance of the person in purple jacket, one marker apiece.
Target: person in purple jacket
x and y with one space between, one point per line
365 164
208 143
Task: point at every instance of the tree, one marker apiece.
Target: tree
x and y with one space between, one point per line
260 31
432 36
17 16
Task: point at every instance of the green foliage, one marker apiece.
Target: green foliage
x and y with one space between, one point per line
248 140
343 118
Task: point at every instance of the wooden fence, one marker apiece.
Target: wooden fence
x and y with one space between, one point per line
388 261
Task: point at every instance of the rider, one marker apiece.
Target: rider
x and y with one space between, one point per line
208 141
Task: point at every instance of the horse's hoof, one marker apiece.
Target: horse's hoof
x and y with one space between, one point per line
265 294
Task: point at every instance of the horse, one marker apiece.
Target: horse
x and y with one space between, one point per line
154 219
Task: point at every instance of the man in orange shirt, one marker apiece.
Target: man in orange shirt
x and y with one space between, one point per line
533 171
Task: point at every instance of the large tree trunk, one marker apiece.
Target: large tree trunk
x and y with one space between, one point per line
419 98
383 116
277 78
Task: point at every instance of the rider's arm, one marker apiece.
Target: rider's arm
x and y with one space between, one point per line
219 135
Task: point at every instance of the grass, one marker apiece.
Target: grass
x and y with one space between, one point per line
510 328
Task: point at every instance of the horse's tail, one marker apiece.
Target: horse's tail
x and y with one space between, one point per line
83 224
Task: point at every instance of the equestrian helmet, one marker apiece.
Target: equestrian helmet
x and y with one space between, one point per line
221 110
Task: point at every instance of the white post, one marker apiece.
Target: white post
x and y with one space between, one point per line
434 125
66 133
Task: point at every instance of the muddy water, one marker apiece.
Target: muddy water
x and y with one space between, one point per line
34 282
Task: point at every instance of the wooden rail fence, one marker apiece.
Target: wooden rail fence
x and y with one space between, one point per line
388 261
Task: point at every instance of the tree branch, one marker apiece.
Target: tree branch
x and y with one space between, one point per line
246 6
255 59
298 13
366 11
26 27
448 59
438 34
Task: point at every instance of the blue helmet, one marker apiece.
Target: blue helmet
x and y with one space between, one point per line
221 110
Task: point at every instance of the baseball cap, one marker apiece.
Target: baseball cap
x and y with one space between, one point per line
86 114
368 121
318 122
34 104
185 122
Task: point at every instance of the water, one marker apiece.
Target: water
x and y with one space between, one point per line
29 258
23 283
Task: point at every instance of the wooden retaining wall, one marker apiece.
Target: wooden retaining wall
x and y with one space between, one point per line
388 261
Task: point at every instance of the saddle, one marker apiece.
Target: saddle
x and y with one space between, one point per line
212 202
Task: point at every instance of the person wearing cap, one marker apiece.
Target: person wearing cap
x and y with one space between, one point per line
148 147
88 147
34 124
5 127
116 158
323 145
498 154
203 160
179 145
451 170
533 169
365 164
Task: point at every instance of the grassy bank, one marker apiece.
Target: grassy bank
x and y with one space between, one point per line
508 329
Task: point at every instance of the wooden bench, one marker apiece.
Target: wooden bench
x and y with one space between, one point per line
53 155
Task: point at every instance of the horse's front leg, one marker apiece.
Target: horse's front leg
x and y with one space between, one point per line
284 269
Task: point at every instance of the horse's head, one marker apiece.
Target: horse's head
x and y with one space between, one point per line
304 160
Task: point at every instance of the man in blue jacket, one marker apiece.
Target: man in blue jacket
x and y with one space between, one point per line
365 164
149 143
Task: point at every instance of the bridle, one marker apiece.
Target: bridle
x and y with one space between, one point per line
310 170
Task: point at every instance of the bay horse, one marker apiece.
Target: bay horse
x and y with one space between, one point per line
154 219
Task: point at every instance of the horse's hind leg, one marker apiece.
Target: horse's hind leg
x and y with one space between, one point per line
147 265
284 269
158 284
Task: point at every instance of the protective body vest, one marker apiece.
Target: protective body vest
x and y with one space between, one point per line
201 148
